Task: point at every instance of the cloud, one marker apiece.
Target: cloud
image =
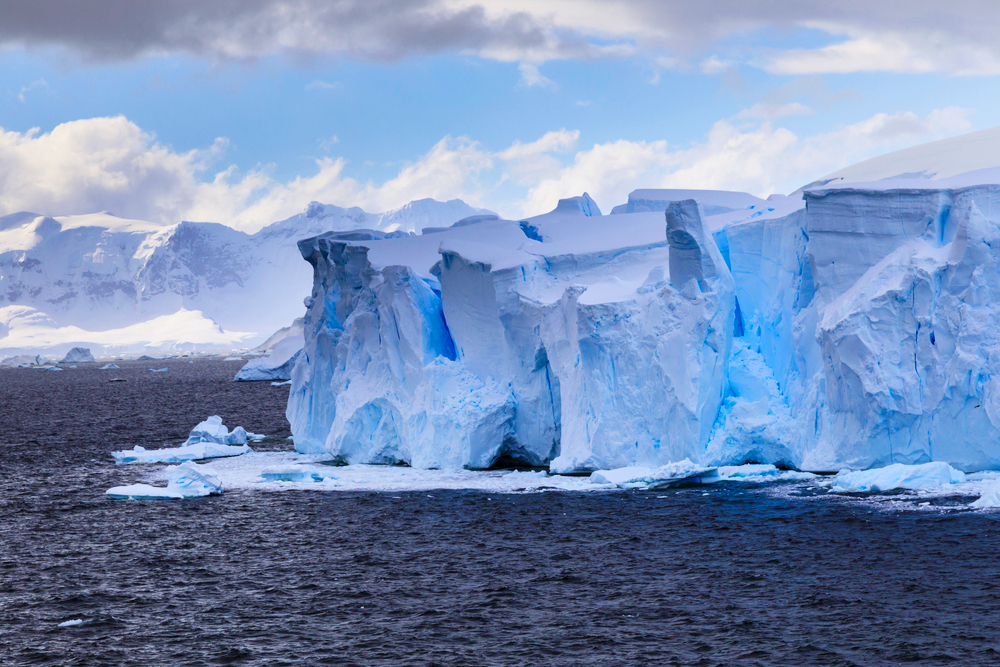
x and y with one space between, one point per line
112 164
531 77
890 35
40 83
760 160
381 30
322 85
773 110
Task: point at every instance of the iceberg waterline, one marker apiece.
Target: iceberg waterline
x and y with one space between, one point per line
851 328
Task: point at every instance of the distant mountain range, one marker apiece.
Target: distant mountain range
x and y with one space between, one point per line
129 286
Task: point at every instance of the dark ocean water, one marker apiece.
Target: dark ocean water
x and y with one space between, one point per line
737 576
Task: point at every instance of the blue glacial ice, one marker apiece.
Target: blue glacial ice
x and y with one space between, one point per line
187 480
851 325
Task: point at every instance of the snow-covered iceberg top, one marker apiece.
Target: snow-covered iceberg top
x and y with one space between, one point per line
188 480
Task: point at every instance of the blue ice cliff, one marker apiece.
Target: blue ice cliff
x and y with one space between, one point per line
849 325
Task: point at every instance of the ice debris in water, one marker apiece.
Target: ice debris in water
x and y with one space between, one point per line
990 497
195 452
210 439
109 367
295 473
67 624
188 480
281 384
671 474
896 476
158 370
213 430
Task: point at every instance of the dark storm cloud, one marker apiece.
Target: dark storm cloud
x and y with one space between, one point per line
376 29
392 29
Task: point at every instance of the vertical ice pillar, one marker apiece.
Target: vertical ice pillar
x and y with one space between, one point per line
693 254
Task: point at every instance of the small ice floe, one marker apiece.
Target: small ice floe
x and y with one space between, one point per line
117 380
990 497
213 430
673 474
53 368
69 624
158 370
109 367
296 473
281 384
210 439
277 366
760 472
195 452
896 476
233 359
188 480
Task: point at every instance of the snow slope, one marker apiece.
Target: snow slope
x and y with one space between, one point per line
88 278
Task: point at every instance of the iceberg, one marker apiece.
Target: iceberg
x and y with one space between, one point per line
21 361
213 431
110 367
78 355
188 480
990 497
851 325
673 474
276 366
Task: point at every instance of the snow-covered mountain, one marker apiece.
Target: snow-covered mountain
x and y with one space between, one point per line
128 285
853 325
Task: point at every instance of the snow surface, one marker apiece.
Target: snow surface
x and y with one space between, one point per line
188 480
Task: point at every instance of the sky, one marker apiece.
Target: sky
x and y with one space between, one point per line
244 111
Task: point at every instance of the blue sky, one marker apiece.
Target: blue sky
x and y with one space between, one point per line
245 114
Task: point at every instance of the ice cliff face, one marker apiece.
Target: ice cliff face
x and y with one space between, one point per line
852 326
558 339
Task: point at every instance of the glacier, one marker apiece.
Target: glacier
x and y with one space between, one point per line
848 325
121 286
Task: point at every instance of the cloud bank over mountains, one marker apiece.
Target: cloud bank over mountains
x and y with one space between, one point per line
913 36
111 164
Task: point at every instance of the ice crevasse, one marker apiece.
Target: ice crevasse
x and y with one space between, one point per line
852 325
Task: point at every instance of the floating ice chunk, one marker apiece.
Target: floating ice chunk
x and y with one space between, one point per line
68 624
295 473
158 370
78 355
233 359
195 452
188 480
109 367
256 437
672 474
53 368
754 472
896 476
22 361
213 430
281 384
117 380
989 498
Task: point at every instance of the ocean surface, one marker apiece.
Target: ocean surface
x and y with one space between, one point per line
732 575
